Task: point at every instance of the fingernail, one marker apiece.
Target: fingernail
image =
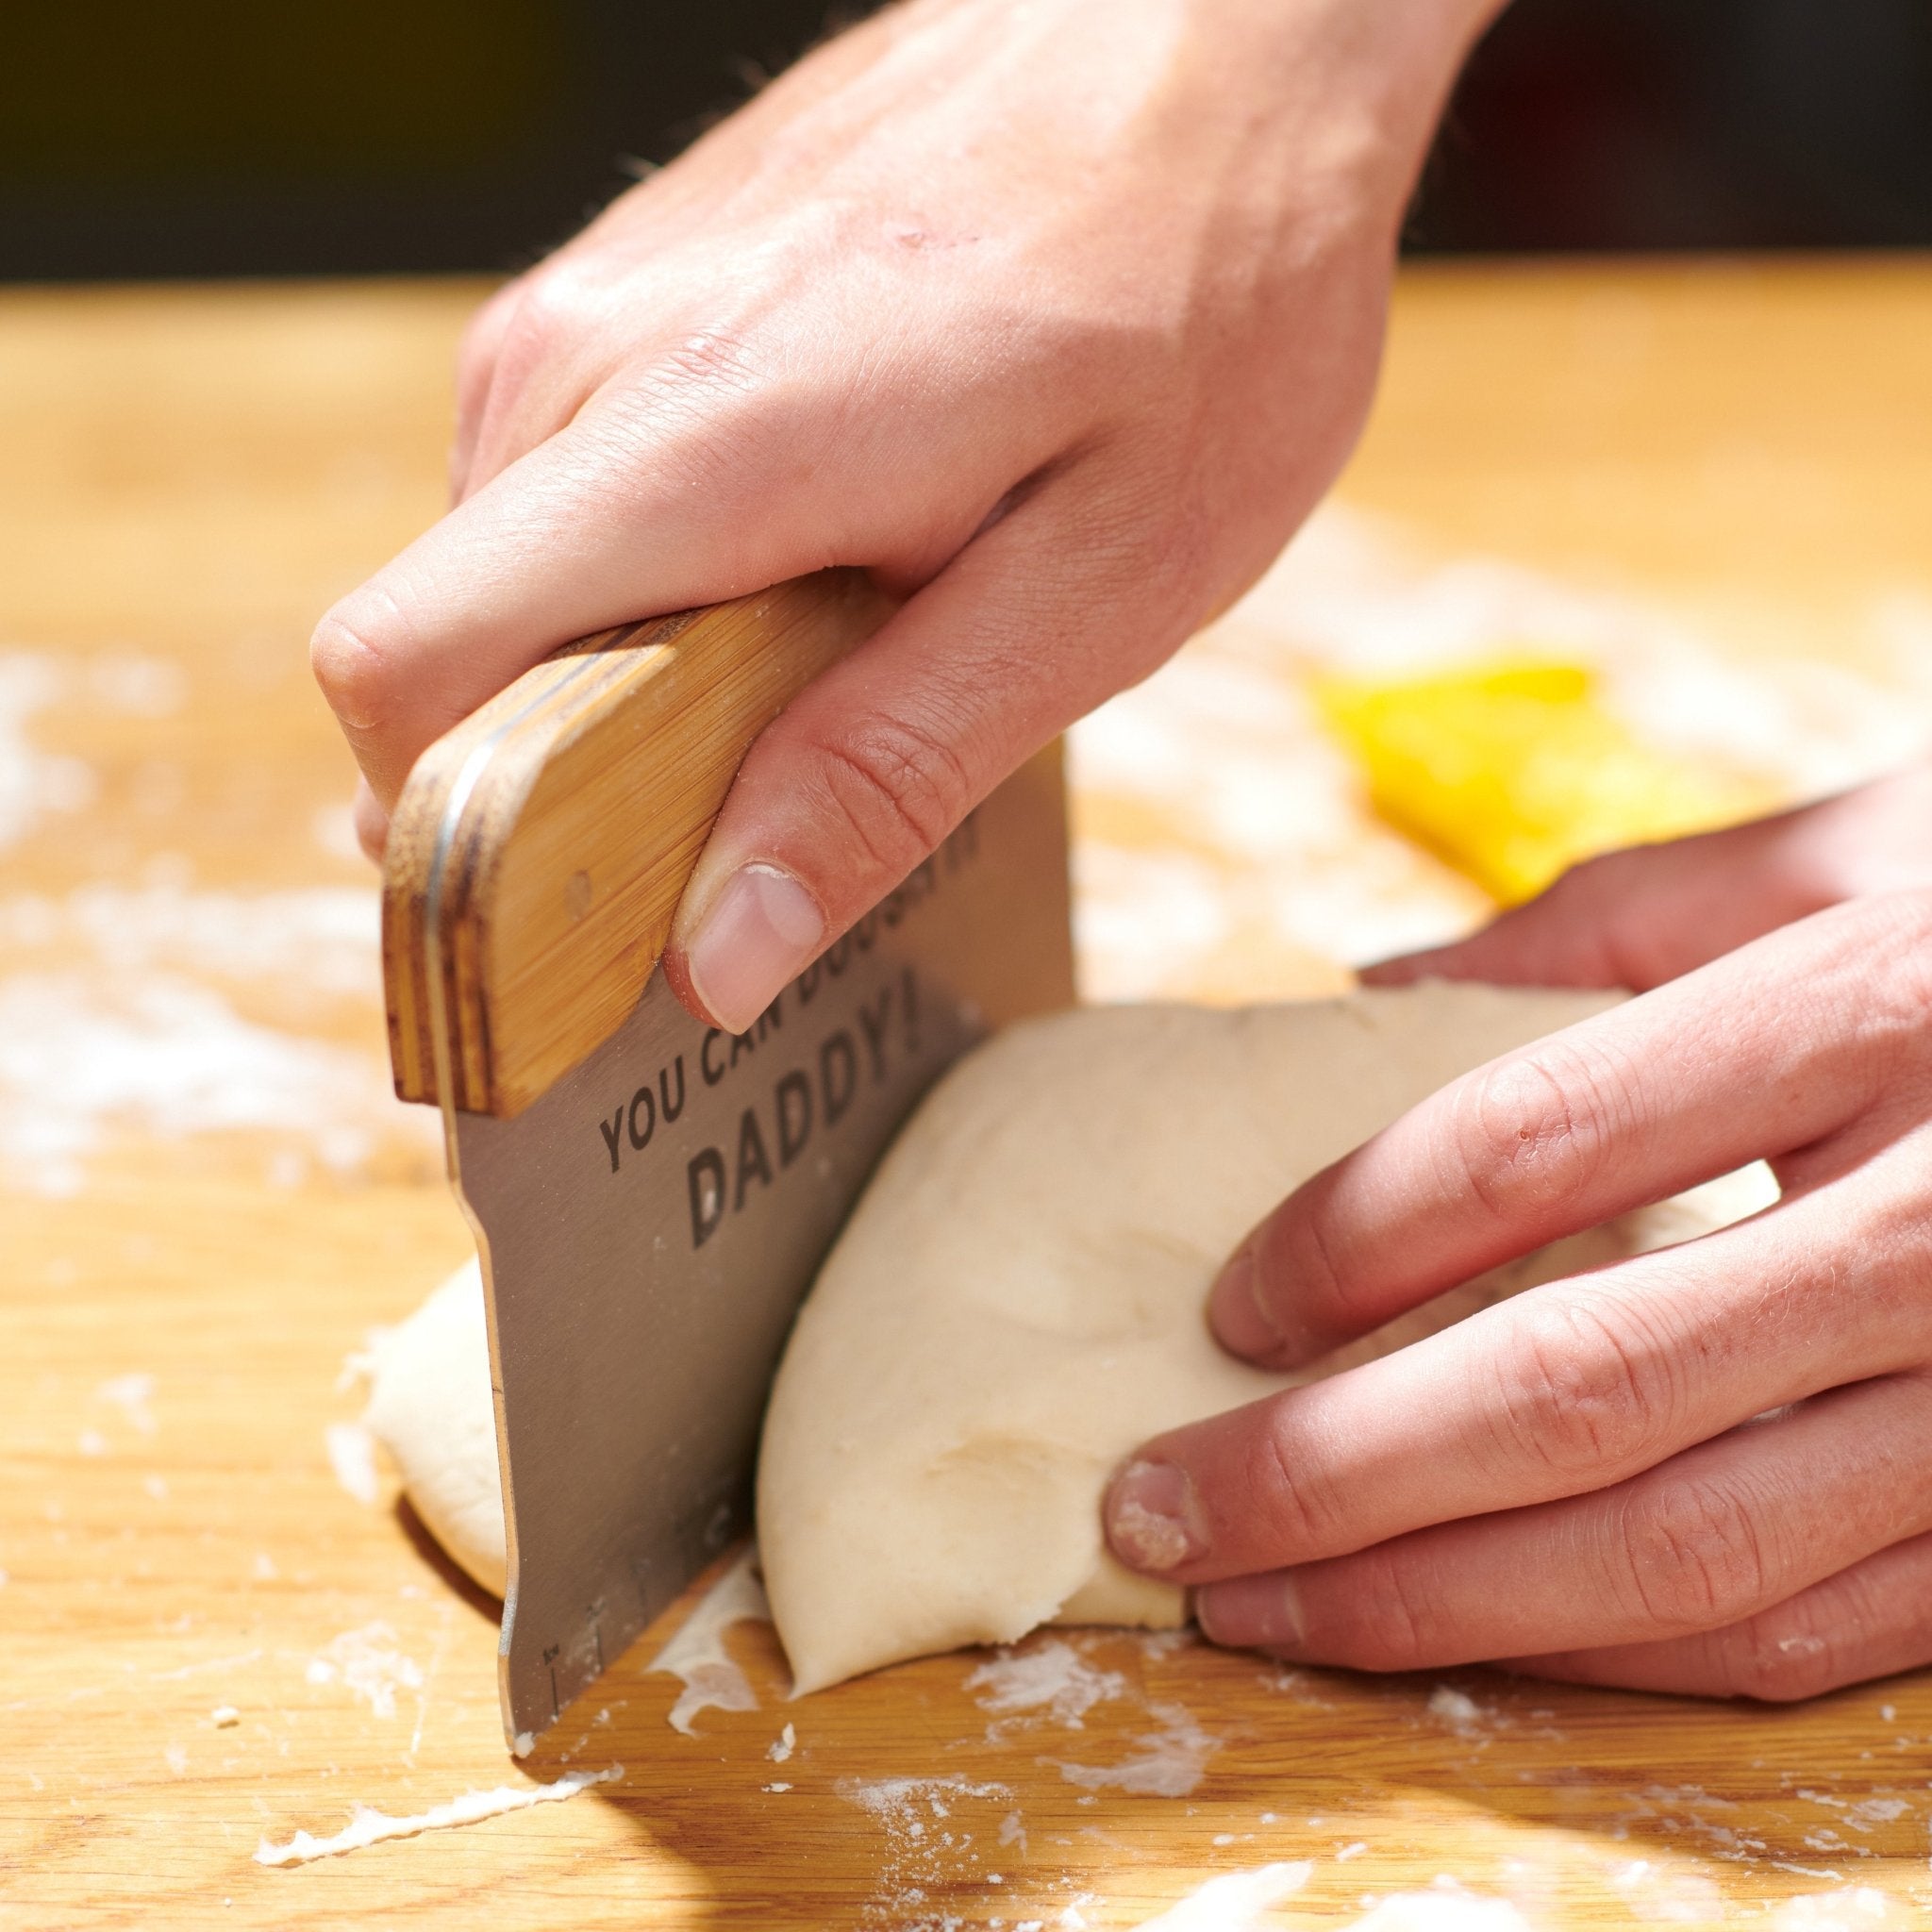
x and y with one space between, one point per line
1252 1613
1153 1520
761 931
1235 1310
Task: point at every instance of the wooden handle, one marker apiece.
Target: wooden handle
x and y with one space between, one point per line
540 847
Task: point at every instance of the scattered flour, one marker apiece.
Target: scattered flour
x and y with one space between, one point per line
783 1745
1868 1812
1052 1675
1856 1909
1233 1902
368 1662
1661 1894
923 1839
170 1058
697 1656
1455 1707
1169 1764
323 938
133 1035
368 1827
133 1395
1442 1911
901 1801
33 782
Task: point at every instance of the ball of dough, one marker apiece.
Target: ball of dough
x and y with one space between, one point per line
1017 1302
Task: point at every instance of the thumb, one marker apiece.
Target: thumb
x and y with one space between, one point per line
1648 913
880 757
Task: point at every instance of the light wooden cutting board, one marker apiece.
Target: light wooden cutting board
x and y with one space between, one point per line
207 1640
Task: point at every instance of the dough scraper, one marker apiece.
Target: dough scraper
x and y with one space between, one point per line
651 1198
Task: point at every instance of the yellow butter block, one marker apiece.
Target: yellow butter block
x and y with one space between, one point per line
1512 770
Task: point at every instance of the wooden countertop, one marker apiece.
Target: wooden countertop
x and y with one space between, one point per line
207 1199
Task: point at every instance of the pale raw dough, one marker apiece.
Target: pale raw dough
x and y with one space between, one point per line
430 1407
1017 1302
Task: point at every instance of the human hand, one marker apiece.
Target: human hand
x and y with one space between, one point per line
1057 318
1704 1470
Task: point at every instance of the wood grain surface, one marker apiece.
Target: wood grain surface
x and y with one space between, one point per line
209 1197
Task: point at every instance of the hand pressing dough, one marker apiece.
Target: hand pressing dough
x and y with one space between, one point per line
1017 1302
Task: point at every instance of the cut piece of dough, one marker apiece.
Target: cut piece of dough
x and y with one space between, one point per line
1018 1300
1017 1303
430 1407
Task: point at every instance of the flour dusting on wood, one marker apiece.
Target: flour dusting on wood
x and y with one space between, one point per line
1052 1678
1233 1902
1445 1909
367 1826
1169 1764
696 1656
369 1663
927 1840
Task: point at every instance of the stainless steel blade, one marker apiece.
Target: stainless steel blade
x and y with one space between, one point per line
649 1227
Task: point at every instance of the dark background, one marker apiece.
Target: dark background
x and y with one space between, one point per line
210 137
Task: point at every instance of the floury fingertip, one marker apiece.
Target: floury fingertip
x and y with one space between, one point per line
1153 1519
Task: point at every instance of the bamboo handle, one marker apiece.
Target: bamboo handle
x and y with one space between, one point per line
540 847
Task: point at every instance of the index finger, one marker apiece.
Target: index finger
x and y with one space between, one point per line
1760 1053
1567 1389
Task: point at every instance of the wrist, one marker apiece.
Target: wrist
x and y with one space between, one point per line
1379 72
1344 96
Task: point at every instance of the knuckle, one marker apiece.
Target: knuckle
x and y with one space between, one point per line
898 786
1391 1622
703 414
1785 1657
1583 1391
705 376
710 359
352 657
1696 1556
556 301
1305 1517
1303 1259
1531 1132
